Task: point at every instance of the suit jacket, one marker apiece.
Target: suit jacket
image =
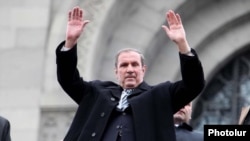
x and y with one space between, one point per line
152 106
185 132
4 129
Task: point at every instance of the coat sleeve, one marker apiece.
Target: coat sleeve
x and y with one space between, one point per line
68 75
191 84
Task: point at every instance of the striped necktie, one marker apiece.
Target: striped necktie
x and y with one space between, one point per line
123 103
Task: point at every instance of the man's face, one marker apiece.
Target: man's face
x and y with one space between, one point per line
129 70
184 114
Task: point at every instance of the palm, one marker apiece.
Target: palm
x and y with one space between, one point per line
176 32
74 29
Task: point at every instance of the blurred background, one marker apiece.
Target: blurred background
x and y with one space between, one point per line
30 30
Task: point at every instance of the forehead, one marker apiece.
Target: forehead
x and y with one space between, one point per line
129 55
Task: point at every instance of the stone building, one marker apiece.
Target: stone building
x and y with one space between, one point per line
30 30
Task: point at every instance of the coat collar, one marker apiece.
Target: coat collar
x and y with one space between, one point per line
116 91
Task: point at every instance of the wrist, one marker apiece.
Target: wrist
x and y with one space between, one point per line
65 48
188 53
69 44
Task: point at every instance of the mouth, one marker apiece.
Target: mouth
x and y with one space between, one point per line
130 77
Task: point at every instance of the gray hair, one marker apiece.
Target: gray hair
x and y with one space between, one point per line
129 50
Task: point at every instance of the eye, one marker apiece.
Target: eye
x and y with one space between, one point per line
123 65
135 64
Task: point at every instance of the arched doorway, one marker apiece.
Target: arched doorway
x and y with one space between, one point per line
225 95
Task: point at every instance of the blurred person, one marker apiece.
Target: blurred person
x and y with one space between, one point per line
244 116
4 129
184 131
131 110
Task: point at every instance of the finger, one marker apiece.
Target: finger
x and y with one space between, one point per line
172 17
178 18
165 28
75 10
80 15
77 13
69 15
168 18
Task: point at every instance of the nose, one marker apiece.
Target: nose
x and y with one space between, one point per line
130 68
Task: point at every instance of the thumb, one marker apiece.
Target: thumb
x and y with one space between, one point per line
85 23
164 27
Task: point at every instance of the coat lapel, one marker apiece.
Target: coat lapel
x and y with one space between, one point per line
142 87
116 92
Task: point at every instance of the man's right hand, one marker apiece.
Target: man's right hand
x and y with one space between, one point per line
75 26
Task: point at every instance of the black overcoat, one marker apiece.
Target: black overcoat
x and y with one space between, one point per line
152 106
4 129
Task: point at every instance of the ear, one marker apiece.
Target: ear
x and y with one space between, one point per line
116 71
144 68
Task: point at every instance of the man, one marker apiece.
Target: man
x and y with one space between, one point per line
184 132
131 110
4 129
